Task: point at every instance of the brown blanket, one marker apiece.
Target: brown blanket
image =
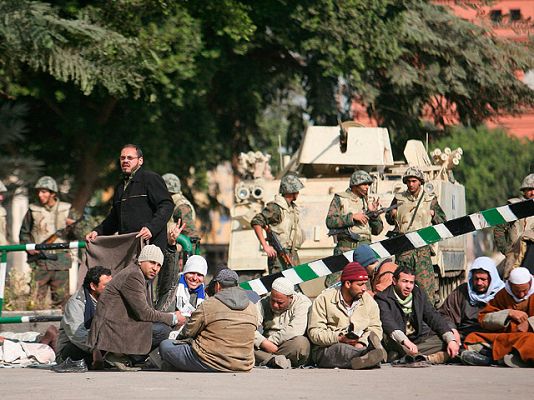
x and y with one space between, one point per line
114 252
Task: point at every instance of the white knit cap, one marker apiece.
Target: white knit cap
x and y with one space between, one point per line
284 286
151 253
196 264
520 275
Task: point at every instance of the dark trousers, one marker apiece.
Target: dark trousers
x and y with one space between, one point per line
75 354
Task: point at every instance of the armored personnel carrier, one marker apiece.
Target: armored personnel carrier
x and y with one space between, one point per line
327 157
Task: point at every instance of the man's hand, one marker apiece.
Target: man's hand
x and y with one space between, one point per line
410 347
346 340
393 213
144 233
269 346
374 205
32 252
173 233
271 252
360 218
359 345
457 336
518 316
70 221
91 236
453 348
180 319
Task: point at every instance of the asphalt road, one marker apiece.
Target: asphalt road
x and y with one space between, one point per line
436 382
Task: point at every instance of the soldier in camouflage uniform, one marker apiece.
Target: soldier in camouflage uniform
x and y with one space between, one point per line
184 212
183 209
282 216
3 216
40 222
417 209
516 239
348 212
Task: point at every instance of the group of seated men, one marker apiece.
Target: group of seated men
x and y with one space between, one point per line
375 314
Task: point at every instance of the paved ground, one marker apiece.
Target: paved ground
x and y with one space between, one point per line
436 382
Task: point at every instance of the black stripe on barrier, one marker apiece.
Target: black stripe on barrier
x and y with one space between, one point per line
460 226
398 244
523 209
335 263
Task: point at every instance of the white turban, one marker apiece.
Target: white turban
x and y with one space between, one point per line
519 276
284 286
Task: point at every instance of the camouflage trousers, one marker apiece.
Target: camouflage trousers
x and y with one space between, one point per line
341 247
56 280
420 261
277 264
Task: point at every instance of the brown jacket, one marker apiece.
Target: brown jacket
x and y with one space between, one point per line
123 319
223 329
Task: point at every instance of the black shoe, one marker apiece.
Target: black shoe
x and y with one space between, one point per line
70 366
470 357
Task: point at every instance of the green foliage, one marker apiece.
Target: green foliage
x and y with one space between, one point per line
492 167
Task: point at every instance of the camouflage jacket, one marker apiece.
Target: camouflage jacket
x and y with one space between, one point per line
185 213
270 215
438 218
335 218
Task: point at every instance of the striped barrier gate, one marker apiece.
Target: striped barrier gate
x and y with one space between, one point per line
396 245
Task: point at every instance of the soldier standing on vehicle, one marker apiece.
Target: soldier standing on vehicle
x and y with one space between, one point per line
282 216
41 222
3 215
183 209
347 215
416 209
516 239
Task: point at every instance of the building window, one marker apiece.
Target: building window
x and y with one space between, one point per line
496 16
515 15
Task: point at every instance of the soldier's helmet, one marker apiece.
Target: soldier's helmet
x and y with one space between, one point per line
2 187
46 182
290 184
360 177
528 182
413 172
173 183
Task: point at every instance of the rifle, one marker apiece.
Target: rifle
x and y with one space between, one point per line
51 239
369 214
280 251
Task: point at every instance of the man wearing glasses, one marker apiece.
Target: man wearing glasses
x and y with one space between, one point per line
141 202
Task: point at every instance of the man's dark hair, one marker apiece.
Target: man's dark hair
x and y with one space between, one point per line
403 269
93 276
480 271
134 146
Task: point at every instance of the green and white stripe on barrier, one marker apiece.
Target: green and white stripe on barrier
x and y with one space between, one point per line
399 244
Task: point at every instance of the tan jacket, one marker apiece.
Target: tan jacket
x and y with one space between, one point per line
279 328
288 230
123 319
329 318
222 328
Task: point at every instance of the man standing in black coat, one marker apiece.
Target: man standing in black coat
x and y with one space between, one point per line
141 202
411 324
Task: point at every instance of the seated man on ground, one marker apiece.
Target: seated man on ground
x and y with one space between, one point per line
76 322
344 325
219 336
380 271
510 318
462 306
186 294
122 325
284 317
411 324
